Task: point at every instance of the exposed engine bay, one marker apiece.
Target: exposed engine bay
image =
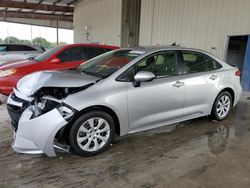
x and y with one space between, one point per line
37 101
48 98
44 91
41 102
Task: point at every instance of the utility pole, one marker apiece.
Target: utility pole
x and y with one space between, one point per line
57 33
31 36
8 41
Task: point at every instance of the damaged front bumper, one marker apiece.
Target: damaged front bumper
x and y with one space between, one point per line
36 122
36 135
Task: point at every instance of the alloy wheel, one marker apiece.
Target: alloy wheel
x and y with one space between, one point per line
223 106
93 134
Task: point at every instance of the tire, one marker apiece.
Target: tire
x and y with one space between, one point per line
92 133
222 106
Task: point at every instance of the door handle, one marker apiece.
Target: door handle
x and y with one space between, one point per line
178 84
213 77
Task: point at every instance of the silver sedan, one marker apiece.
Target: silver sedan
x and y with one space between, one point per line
118 93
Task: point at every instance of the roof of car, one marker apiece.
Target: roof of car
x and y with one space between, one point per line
93 45
36 46
151 49
19 44
157 48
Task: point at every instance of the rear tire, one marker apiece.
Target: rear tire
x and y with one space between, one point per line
92 133
222 106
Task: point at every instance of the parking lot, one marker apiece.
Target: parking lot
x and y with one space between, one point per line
199 153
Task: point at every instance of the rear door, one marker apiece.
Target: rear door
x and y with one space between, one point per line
202 79
160 101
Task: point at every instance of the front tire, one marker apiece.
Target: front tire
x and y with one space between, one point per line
92 133
222 106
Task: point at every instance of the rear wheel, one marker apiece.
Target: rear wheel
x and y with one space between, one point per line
222 106
92 133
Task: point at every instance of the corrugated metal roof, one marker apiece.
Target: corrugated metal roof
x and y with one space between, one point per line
40 9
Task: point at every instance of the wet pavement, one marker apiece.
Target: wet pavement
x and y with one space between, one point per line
199 153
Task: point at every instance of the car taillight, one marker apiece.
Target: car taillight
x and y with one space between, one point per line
238 73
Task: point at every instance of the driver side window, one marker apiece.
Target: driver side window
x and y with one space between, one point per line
161 64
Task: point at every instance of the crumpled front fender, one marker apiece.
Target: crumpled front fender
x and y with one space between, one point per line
37 135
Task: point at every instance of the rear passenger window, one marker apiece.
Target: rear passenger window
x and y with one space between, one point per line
19 48
196 62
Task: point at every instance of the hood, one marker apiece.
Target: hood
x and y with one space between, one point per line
29 84
4 65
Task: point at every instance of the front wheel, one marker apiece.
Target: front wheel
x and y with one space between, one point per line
92 133
222 106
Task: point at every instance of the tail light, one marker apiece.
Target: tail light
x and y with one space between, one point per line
238 73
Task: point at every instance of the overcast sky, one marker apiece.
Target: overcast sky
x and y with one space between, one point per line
22 31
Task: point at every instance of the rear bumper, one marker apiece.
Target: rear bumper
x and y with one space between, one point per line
238 92
35 136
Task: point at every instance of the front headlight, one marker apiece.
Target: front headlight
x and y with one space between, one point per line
7 72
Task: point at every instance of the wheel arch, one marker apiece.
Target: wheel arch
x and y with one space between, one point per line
228 89
231 91
64 132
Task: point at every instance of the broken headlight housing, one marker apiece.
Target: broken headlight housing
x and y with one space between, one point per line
47 105
49 98
66 111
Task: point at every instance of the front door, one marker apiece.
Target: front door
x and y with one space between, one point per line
70 58
160 101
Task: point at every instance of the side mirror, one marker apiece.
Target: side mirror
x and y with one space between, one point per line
143 76
55 60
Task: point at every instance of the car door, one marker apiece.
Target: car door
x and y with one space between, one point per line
70 57
201 79
160 101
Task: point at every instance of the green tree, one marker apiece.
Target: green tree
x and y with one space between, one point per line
12 40
42 42
1 41
25 42
60 44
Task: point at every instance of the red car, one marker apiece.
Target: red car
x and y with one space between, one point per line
61 57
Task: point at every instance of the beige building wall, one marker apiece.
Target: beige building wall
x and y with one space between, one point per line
102 18
201 24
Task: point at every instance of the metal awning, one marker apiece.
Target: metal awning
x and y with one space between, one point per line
51 13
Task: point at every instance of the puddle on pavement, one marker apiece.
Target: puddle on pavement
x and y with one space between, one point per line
142 159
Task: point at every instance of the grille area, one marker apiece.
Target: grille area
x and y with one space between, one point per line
15 112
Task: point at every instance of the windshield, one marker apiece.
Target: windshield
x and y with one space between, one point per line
47 54
108 63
